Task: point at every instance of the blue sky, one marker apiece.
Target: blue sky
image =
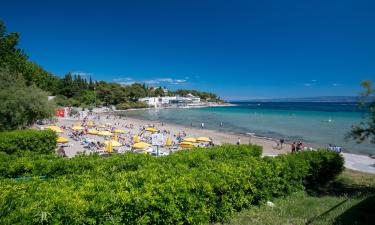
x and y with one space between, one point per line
237 49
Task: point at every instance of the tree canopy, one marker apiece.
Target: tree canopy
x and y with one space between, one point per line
366 129
21 105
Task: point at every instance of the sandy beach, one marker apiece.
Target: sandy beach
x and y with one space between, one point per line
352 161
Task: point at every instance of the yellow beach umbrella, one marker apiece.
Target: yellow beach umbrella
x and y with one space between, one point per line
93 131
115 137
193 140
141 145
151 129
78 128
90 124
136 139
118 131
203 139
113 143
56 129
186 144
109 147
62 140
168 142
104 133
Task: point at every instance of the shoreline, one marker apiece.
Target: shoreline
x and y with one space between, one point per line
357 162
176 107
354 161
272 136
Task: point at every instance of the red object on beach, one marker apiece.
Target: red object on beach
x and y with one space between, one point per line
60 113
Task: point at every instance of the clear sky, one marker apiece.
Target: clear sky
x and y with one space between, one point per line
237 49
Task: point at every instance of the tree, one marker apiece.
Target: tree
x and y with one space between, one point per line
87 97
366 129
21 105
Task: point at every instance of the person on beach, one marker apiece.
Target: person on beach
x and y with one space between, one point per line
294 147
281 143
61 152
239 141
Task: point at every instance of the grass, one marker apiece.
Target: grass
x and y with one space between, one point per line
350 199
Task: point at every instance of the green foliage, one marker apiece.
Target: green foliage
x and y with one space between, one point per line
366 130
189 187
87 97
21 105
322 166
28 140
131 105
206 96
61 100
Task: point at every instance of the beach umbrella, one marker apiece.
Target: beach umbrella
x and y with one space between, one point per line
93 131
79 127
168 142
193 140
101 126
151 129
55 128
141 145
118 131
203 139
115 137
104 133
109 146
90 124
62 140
136 139
186 144
113 143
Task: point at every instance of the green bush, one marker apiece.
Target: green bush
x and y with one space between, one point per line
189 187
131 105
28 140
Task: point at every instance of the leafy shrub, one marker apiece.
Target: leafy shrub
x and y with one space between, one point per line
189 187
324 166
131 105
28 140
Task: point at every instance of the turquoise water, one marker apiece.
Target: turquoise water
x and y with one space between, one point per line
320 123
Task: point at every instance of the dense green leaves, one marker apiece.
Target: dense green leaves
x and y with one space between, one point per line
28 140
189 187
21 105
366 129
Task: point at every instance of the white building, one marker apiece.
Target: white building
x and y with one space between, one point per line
170 101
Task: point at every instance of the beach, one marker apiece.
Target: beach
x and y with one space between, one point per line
270 148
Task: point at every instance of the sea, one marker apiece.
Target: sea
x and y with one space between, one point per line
319 123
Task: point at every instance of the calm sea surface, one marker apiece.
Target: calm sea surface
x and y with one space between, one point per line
321 123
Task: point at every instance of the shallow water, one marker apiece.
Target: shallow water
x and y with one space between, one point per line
322 123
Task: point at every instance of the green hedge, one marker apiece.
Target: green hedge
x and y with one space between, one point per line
28 140
189 187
